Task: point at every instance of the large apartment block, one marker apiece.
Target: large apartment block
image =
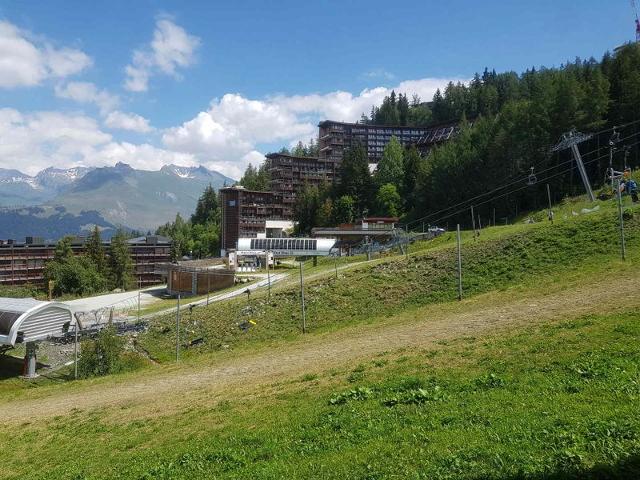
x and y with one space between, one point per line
24 262
290 174
335 137
250 213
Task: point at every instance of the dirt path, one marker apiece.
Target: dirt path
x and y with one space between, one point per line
478 316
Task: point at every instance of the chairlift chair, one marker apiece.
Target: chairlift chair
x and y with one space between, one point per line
532 179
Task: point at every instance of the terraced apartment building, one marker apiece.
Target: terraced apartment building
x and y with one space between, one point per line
24 262
252 214
289 175
336 137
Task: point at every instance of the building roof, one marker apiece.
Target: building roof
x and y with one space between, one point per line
240 188
381 219
29 320
295 157
435 126
150 239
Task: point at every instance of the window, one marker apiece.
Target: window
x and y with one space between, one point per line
232 203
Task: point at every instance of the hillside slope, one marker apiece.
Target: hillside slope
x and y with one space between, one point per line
502 258
534 374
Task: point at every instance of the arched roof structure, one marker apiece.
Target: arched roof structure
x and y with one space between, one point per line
28 320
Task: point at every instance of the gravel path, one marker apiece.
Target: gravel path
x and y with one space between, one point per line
478 316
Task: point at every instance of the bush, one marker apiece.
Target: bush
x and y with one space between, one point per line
101 356
74 275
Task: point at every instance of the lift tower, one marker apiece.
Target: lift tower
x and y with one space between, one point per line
571 140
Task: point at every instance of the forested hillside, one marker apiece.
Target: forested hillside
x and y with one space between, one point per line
509 122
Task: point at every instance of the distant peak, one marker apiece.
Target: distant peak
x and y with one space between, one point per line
123 167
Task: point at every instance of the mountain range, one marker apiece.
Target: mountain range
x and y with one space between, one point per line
57 202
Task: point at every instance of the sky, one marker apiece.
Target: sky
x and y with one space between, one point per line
219 84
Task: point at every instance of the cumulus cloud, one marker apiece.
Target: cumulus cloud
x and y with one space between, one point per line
142 156
229 132
127 121
170 49
31 142
25 61
87 92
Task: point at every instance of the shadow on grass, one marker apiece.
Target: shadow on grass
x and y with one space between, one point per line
626 468
13 367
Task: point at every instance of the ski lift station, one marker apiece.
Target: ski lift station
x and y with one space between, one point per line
286 247
26 320
270 248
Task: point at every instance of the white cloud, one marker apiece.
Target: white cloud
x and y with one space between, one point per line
31 142
142 156
26 62
87 92
230 131
379 73
230 134
127 121
171 48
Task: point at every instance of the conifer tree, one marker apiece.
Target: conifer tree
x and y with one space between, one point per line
95 251
120 262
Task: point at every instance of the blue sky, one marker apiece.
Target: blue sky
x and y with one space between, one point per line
221 83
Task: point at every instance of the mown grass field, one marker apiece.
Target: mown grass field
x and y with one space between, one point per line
554 398
553 401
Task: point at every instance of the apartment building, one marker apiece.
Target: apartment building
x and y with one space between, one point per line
335 137
290 174
253 214
24 262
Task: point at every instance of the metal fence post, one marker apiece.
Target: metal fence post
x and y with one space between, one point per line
459 263
178 330
622 242
304 314
550 214
268 276
473 222
75 352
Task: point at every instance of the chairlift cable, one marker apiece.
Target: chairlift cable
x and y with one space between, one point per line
438 220
518 180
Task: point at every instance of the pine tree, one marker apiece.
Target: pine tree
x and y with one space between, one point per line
207 210
95 251
414 168
120 262
355 179
63 249
403 109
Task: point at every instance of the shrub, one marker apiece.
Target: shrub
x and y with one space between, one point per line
101 356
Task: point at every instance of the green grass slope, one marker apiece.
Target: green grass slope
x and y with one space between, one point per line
555 401
518 256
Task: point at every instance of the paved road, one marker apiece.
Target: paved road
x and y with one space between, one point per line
240 290
148 296
118 300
